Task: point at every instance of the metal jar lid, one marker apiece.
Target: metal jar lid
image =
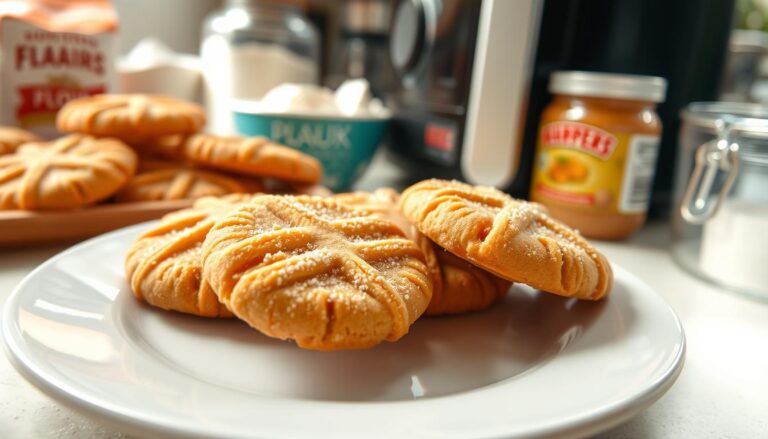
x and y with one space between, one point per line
609 85
738 134
750 120
745 121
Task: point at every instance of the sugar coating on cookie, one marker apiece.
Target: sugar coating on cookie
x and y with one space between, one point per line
458 286
315 271
71 172
512 238
164 264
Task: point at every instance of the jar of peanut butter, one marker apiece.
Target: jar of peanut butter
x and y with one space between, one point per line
596 151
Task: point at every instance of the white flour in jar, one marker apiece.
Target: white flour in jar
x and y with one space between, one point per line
246 71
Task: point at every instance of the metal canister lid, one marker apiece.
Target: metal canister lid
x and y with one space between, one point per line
609 85
738 134
746 118
747 123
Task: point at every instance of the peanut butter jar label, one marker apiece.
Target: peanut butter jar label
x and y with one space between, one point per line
585 166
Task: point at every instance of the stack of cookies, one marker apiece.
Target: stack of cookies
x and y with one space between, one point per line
140 148
353 270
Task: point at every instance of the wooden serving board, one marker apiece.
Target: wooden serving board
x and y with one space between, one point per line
20 227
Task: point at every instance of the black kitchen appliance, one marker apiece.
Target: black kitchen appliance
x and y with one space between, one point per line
472 75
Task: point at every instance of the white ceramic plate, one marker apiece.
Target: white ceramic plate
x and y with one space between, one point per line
537 365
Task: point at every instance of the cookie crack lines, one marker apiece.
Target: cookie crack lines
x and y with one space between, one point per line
330 313
10 168
175 246
457 286
177 182
563 264
68 172
292 213
165 132
138 116
376 293
79 191
353 270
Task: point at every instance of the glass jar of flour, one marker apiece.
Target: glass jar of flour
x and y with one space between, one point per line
251 46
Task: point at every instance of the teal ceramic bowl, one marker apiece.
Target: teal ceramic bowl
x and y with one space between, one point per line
344 145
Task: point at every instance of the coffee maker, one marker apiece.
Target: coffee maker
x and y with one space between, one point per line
472 75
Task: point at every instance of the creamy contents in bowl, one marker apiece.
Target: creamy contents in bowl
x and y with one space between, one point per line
352 98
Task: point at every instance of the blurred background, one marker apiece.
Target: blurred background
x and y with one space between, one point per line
605 111
706 50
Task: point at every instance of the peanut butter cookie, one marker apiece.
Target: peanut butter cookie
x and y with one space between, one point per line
68 173
11 138
177 183
130 117
458 286
253 156
316 271
514 239
164 264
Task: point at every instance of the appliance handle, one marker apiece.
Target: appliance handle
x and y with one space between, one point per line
498 93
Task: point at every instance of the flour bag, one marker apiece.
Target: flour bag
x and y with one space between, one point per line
53 51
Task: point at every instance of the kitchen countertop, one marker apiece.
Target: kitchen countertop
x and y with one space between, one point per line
722 391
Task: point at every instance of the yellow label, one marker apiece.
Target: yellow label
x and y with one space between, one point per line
582 165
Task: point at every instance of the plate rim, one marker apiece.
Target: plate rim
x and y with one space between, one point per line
591 422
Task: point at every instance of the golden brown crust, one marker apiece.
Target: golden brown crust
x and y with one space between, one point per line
383 202
512 238
164 264
130 117
177 183
458 286
466 287
71 172
252 156
315 271
149 163
252 185
11 138
161 147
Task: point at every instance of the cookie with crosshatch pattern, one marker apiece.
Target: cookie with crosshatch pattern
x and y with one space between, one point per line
176 183
458 286
70 172
164 264
130 116
512 238
315 271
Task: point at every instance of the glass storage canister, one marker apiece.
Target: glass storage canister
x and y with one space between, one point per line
251 46
597 149
720 215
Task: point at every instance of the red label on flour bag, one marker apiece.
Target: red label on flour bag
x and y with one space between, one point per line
53 51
